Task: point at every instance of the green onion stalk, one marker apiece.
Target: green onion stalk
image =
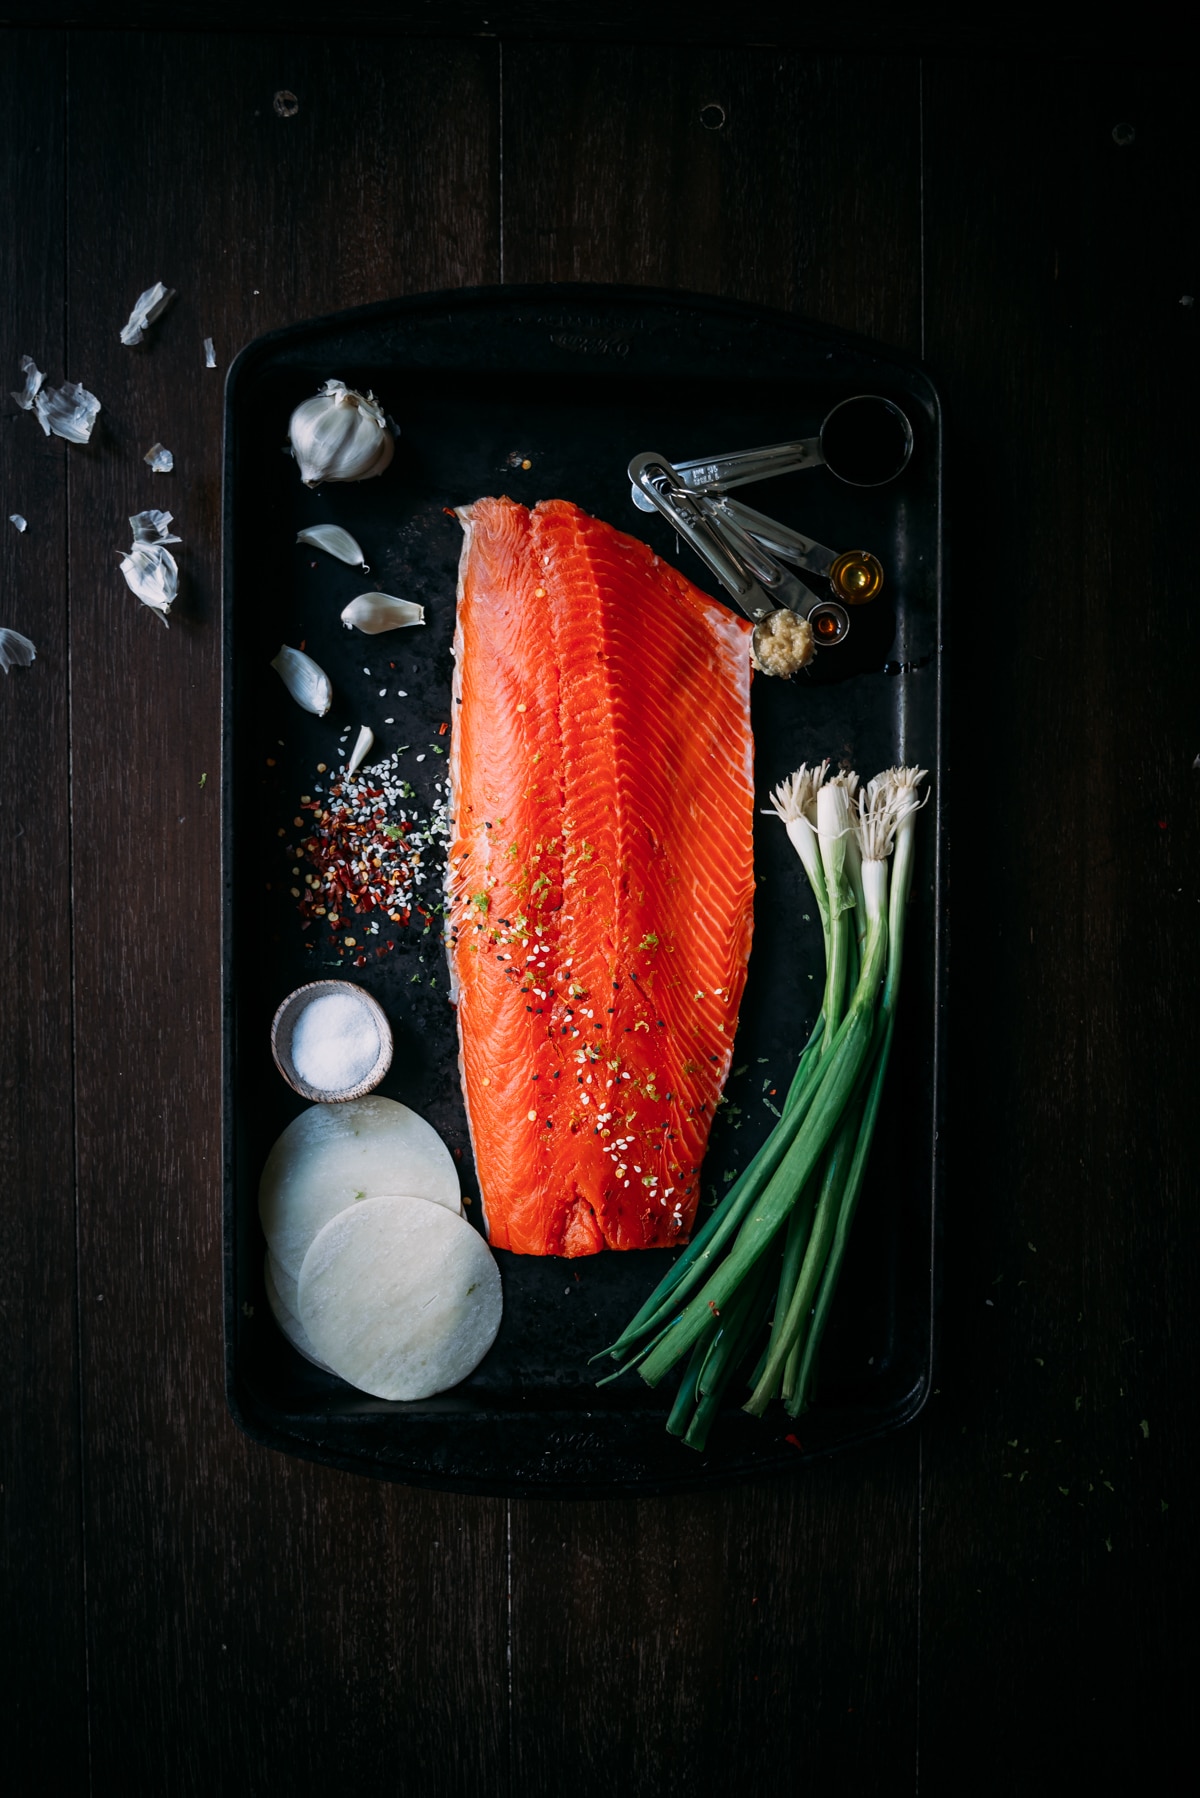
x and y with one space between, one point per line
768 1258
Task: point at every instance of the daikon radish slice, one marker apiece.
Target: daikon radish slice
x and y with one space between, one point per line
281 1296
401 1297
332 1155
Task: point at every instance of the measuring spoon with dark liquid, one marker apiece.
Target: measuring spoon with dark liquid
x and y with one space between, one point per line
865 441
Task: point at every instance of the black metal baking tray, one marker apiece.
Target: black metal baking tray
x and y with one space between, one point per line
543 393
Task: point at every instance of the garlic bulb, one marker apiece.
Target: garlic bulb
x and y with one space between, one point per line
335 542
375 612
308 684
361 750
340 436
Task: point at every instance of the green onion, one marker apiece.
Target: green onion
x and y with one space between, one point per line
785 1223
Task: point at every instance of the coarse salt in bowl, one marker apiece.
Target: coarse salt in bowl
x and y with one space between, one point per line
331 1041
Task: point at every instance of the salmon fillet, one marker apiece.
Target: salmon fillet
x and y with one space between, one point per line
600 879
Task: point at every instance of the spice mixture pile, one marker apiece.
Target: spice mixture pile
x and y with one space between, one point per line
372 860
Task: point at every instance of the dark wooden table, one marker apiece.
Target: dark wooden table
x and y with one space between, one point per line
997 1599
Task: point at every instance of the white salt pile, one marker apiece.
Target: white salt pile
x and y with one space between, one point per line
335 1042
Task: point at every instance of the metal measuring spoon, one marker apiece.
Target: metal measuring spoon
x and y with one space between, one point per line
865 441
766 592
855 575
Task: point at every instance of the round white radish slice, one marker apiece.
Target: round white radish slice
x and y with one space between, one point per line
281 1296
332 1155
402 1298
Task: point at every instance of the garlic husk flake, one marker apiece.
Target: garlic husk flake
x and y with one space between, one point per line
68 411
210 354
33 381
22 524
335 542
361 750
16 651
152 526
375 612
340 435
159 460
152 573
308 684
147 307
150 570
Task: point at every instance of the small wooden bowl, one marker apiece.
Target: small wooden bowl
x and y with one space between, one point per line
284 1023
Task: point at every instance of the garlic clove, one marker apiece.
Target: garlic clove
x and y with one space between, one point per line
375 612
361 750
308 684
335 542
340 435
16 651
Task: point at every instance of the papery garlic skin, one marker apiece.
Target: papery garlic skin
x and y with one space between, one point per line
148 307
308 684
152 573
340 435
152 526
33 381
361 750
22 524
150 570
335 542
68 411
376 612
16 651
159 460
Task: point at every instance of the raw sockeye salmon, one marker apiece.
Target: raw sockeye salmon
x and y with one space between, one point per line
600 879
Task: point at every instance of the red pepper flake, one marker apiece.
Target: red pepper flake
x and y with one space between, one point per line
442 728
795 1442
713 1308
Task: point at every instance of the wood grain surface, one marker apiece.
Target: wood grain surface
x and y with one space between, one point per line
189 1613
41 1643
